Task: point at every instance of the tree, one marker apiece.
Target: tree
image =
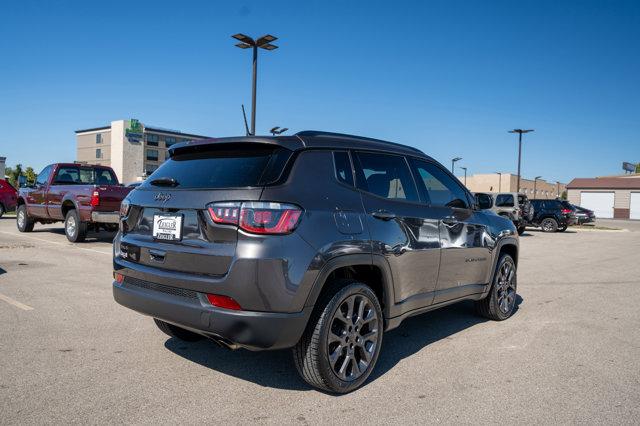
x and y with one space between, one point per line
30 175
563 196
638 168
15 173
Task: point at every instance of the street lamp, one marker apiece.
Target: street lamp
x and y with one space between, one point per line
499 181
465 175
278 131
453 162
519 132
247 42
535 182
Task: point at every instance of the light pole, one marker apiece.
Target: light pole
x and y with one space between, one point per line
519 132
465 175
499 181
558 188
535 182
247 42
453 162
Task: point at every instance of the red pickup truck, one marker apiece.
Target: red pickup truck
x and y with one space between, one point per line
83 196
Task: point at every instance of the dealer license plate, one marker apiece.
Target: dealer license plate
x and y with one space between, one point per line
167 227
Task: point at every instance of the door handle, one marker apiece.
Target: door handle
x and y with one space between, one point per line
450 220
383 215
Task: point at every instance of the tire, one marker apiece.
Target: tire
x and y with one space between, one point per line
549 225
521 229
1 210
74 229
177 332
23 221
501 300
562 228
331 330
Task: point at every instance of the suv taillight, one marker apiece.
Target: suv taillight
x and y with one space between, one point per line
566 211
95 199
258 217
124 208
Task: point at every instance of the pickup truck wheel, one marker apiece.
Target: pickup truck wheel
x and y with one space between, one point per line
74 229
1 210
521 229
177 332
562 228
23 221
501 300
341 344
549 225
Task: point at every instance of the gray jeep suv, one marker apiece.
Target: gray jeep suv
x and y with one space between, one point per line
319 242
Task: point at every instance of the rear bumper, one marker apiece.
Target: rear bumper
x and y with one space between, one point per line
105 217
191 310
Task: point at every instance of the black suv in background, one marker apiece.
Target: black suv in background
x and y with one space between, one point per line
319 242
552 215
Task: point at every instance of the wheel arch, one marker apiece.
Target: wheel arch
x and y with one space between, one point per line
371 270
67 204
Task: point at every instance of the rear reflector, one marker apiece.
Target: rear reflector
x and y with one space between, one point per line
118 277
257 217
224 302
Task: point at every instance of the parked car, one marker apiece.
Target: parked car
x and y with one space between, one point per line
552 215
8 197
83 196
584 215
504 204
319 242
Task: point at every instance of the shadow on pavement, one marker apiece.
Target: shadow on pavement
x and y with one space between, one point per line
102 236
276 369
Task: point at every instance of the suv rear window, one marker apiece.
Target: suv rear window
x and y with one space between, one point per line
225 166
504 200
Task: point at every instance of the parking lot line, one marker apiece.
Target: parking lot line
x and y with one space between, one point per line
54 242
15 303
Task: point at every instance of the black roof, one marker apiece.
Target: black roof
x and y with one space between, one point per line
312 139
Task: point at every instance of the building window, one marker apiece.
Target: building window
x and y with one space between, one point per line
98 153
152 140
98 137
150 168
152 154
169 140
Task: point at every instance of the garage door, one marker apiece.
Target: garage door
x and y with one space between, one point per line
634 208
600 202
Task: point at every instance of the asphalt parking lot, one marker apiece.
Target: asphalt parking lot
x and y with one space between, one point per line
570 354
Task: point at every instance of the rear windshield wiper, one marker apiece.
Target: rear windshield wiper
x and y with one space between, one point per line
164 181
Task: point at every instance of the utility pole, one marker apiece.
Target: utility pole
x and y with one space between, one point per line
499 181
519 132
465 175
535 182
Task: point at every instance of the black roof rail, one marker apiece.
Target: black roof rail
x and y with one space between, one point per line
320 134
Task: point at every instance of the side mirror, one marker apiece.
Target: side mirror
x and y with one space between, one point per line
483 201
22 181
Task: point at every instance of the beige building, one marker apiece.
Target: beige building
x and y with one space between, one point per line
608 196
132 149
508 182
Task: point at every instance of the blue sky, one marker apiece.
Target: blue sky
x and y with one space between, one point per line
447 77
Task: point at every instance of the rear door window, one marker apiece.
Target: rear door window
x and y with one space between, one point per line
504 200
225 166
343 167
386 176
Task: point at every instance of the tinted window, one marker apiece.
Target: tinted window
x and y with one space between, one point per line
440 189
226 166
152 140
343 167
43 177
504 200
84 176
386 176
